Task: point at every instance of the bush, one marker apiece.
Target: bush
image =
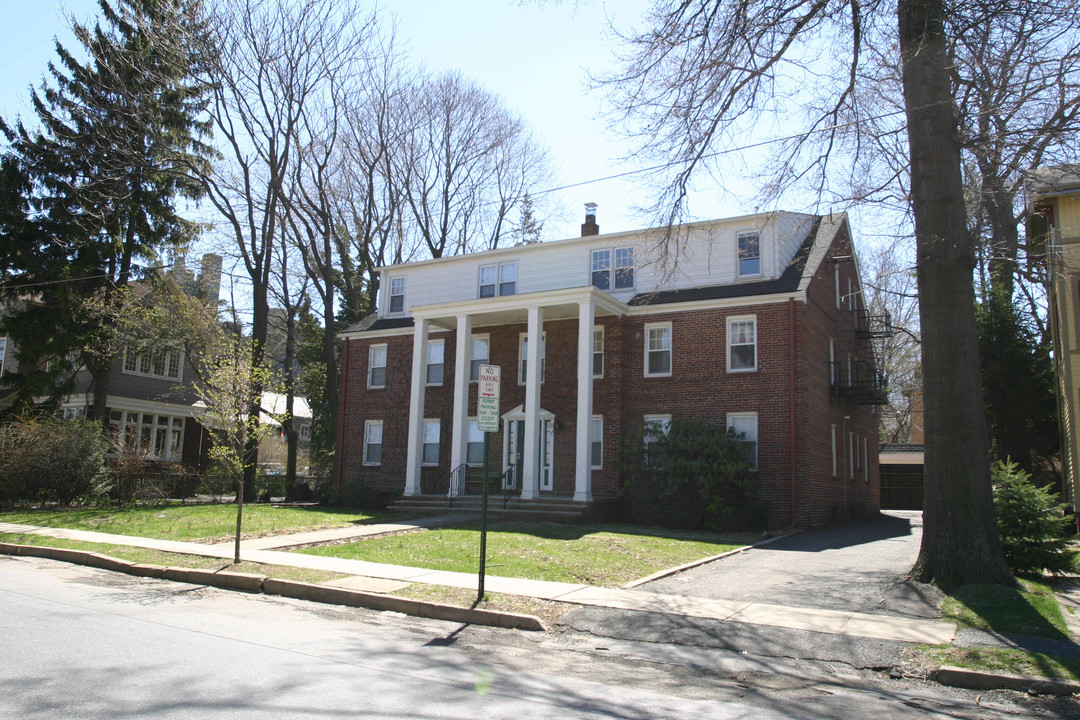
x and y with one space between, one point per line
701 468
1032 524
52 461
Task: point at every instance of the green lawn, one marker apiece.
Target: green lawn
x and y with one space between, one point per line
1030 610
195 523
608 555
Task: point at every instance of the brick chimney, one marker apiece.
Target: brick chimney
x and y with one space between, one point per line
590 227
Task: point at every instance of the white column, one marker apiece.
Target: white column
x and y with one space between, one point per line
583 472
415 449
530 485
462 365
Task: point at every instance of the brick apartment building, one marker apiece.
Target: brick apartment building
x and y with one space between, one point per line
759 324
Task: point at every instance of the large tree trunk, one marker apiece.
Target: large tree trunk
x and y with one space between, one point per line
960 542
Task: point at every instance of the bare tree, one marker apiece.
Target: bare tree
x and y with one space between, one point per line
269 62
889 282
469 163
704 70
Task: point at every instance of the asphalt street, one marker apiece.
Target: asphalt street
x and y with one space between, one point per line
78 642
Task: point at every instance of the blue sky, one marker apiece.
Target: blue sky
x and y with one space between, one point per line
536 58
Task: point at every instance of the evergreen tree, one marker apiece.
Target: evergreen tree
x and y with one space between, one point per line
100 182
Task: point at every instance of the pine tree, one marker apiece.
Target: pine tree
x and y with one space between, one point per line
530 229
102 176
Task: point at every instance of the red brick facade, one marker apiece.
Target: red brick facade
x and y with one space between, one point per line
789 391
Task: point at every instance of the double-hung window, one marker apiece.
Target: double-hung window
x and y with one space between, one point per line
742 344
656 427
607 262
523 356
597 442
474 450
658 350
377 366
749 254
500 279
435 351
481 353
373 442
397 295
745 427
598 352
431 442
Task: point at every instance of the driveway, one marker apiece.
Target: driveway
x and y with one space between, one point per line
860 566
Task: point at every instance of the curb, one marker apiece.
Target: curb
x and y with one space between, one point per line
979 680
247 582
695 563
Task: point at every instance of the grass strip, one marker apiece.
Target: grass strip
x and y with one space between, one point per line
168 559
1004 660
208 523
606 555
1032 609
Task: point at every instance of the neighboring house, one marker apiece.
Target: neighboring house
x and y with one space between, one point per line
273 451
151 404
1053 204
760 325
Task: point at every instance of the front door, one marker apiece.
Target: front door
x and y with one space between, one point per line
516 451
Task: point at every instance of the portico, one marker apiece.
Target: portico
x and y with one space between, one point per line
533 310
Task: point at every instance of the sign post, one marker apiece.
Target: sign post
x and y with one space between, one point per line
487 419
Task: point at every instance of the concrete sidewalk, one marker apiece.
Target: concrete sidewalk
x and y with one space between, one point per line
392 577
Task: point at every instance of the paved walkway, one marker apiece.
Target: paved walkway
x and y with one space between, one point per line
377 577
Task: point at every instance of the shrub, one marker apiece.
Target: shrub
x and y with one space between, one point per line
1031 522
51 460
703 464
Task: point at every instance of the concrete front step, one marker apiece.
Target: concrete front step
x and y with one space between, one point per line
557 509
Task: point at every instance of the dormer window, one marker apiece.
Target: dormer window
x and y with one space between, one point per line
397 295
609 262
498 279
749 254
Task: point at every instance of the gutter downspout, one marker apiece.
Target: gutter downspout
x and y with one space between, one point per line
339 458
791 407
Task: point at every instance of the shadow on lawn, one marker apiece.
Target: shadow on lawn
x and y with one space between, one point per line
576 531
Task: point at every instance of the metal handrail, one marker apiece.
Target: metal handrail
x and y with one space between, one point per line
510 482
457 481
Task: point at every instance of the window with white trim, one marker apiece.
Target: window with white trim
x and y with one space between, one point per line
523 356
431 442
481 353
749 254
165 363
742 344
435 355
74 413
865 463
498 279
832 363
656 427
397 295
161 437
3 353
373 431
598 352
851 454
658 350
377 366
474 449
596 442
850 294
617 275
836 282
745 426
833 435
